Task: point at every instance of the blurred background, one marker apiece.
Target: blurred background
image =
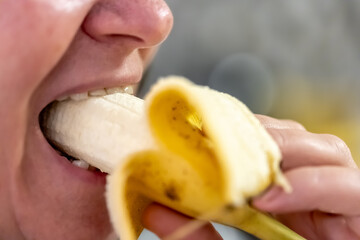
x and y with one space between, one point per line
284 58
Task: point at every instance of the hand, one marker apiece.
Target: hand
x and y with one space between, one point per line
325 182
324 203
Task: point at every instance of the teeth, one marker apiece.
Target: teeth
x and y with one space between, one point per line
129 90
81 164
99 92
79 96
63 98
114 90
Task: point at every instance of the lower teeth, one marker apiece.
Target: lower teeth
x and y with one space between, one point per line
84 165
81 164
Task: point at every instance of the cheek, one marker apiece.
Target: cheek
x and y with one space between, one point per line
147 55
35 34
60 216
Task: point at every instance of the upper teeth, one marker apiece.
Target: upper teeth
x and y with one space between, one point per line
98 93
78 96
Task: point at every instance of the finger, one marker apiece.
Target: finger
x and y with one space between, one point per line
273 123
301 148
318 225
332 227
329 189
300 222
164 221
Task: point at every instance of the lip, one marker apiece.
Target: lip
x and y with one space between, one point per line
95 177
66 167
49 183
91 86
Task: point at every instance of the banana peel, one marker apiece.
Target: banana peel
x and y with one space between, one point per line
213 156
202 153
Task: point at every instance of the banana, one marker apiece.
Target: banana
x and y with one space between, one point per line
193 149
100 130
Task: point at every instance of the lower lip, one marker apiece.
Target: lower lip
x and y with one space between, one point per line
93 177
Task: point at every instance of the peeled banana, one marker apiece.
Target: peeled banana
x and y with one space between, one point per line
100 130
193 149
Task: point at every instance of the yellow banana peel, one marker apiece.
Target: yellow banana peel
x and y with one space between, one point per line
212 157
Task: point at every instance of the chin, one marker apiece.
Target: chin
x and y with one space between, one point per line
53 199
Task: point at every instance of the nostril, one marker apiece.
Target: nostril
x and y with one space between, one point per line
119 40
123 37
146 23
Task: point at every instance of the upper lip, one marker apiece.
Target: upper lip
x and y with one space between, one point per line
85 87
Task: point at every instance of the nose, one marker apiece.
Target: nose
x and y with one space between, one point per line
135 23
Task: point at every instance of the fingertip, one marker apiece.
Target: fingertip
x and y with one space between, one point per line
148 214
161 220
315 188
164 221
267 201
154 215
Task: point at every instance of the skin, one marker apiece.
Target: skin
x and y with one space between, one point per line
52 48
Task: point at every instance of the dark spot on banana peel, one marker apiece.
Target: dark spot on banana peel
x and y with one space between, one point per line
147 164
171 193
202 133
230 207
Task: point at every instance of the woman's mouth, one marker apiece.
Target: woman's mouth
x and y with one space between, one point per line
80 164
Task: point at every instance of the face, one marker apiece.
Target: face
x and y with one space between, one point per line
50 49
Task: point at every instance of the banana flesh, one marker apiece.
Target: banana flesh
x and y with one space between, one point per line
100 130
196 150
